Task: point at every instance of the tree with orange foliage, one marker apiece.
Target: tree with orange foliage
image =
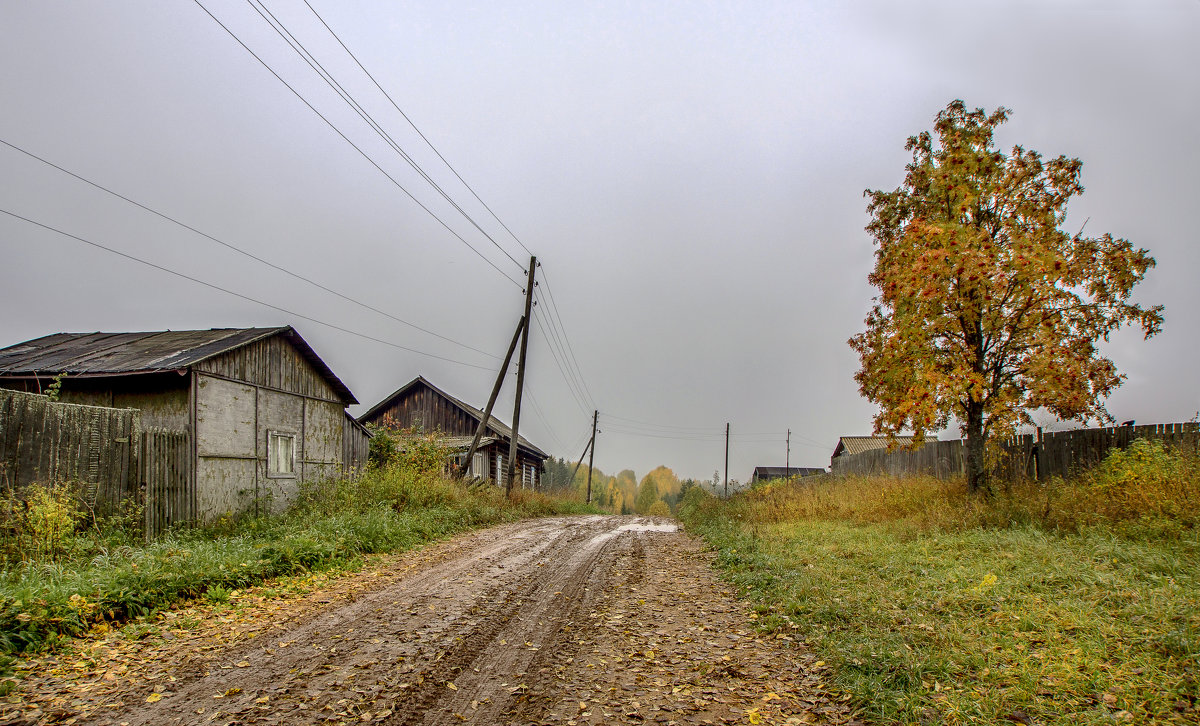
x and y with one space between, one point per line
987 309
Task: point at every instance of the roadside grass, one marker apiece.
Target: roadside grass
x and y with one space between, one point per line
935 608
103 576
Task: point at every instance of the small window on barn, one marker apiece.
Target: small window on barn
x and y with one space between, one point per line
479 465
281 454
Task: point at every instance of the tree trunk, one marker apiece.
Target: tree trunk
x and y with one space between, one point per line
977 474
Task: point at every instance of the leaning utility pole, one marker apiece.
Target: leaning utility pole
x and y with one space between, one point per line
512 447
592 456
571 481
487 412
726 460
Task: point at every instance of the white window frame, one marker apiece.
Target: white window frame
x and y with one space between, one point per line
272 454
479 465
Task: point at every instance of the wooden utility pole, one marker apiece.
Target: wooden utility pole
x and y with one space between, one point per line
487 412
787 461
512 447
592 456
726 460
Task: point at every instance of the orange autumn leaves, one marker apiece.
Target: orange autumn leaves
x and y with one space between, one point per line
987 309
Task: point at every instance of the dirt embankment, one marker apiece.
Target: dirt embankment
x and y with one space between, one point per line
575 620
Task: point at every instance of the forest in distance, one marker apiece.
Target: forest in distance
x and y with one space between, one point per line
624 493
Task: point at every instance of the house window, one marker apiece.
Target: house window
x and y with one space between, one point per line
281 454
479 465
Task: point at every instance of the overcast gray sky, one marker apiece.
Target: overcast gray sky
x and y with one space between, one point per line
689 173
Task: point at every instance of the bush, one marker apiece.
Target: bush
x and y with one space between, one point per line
659 509
38 523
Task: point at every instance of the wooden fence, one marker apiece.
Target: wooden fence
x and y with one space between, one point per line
43 441
103 450
166 475
1058 453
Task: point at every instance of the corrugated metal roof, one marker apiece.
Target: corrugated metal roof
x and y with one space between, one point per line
83 355
859 444
494 423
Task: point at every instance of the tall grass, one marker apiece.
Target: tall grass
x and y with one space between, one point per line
1072 602
99 576
1143 489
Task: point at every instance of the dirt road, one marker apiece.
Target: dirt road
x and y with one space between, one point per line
574 620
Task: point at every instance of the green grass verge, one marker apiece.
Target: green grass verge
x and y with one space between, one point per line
333 525
981 625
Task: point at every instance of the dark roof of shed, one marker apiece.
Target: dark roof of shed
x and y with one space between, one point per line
782 471
87 355
494 423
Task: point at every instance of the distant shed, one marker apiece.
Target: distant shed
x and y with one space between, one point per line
851 445
763 473
262 411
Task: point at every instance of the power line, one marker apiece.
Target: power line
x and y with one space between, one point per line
578 401
241 251
295 44
542 417
552 338
345 138
237 294
566 338
414 126
660 426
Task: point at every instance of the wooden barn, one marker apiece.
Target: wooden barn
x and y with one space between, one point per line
262 412
421 406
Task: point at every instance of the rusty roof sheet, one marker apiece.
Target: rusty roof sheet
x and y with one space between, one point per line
83 355
859 444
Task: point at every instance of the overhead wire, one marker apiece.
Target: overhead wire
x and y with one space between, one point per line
296 45
579 402
563 328
414 126
345 138
554 339
238 294
243 252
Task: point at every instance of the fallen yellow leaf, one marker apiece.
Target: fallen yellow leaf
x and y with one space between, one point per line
154 698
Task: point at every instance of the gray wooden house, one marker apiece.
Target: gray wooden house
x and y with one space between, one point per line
422 407
262 411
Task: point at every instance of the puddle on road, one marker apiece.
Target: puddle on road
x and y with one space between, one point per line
637 527
649 528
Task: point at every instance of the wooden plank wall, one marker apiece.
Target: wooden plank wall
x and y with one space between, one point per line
44 441
1060 453
166 475
356 444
